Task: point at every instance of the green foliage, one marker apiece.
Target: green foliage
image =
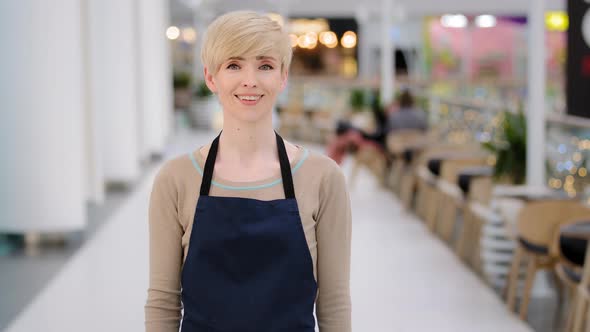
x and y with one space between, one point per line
422 103
510 148
202 90
357 99
375 101
361 99
182 80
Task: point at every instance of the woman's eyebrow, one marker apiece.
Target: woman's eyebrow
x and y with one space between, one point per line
263 57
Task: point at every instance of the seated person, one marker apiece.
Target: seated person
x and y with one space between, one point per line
401 116
407 116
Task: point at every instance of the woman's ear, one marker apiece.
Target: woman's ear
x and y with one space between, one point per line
284 77
209 80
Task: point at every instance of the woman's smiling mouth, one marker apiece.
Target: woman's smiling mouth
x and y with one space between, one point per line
249 99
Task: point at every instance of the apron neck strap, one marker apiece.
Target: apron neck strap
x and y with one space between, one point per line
209 165
283 160
285 168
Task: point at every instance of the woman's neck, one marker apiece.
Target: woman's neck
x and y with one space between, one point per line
247 143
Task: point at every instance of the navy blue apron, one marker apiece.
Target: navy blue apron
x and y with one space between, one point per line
248 267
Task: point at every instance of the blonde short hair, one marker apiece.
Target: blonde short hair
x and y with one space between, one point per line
244 34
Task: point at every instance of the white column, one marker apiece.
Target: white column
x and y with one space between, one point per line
364 46
387 49
95 183
113 49
517 54
536 94
41 137
155 84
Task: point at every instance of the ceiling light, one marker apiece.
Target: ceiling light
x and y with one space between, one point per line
348 40
172 33
453 21
329 39
485 21
301 26
189 35
293 38
556 21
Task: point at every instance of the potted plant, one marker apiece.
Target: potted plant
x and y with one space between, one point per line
203 107
182 92
509 148
358 105
357 100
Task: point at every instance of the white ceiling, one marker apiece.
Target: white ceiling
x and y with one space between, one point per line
347 8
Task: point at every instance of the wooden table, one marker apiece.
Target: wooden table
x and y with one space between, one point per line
528 193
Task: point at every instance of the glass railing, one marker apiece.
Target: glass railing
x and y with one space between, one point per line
461 114
567 143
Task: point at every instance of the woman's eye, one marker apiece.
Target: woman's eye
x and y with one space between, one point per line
266 67
233 66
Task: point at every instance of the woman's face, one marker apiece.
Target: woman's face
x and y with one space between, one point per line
247 88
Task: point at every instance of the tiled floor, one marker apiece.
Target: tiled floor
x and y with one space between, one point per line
403 279
25 272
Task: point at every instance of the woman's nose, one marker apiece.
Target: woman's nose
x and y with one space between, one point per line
249 79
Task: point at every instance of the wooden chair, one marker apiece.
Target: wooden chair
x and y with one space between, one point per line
537 223
447 173
425 181
372 158
370 155
582 299
467 246
498 220
451 198
570 252
414 186
427 170
402 147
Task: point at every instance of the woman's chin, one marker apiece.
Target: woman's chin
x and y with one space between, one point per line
251 117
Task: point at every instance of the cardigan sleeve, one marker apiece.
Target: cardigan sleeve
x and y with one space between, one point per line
333 232
163 306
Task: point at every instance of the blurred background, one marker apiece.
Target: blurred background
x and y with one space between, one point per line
462 127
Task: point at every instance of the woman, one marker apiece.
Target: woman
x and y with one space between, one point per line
248 232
